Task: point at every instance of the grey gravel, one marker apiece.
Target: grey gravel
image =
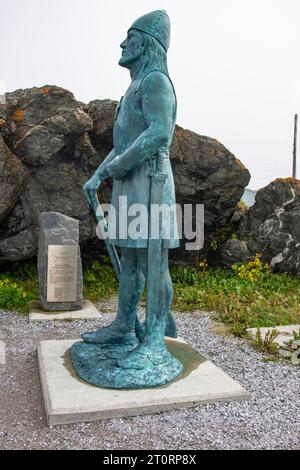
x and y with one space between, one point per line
270 420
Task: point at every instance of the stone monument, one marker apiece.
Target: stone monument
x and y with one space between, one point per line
59 263
128 354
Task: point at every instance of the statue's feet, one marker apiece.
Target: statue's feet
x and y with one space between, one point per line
144 356
111 335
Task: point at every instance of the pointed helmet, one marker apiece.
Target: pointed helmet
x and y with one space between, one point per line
157 24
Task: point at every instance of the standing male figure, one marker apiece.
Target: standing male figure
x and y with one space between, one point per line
143 129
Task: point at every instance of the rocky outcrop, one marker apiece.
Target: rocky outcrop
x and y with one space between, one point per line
53 144
13 179
270 227
205 172
47 131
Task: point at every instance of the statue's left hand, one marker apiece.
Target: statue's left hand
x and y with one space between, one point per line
115 170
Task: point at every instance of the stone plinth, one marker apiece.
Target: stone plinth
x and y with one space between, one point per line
87 312
70 400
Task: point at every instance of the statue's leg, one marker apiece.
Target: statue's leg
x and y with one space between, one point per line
122 329
157 333
153 347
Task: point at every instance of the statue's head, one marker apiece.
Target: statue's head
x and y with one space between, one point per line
148 40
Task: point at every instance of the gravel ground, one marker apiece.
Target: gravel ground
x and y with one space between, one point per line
270 420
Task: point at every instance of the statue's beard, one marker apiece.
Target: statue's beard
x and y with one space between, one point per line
128 60
124 62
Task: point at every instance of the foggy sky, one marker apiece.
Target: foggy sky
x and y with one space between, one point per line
235 64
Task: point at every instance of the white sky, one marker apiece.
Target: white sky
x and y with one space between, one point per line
235 64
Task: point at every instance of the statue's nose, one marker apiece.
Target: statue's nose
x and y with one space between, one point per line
123 44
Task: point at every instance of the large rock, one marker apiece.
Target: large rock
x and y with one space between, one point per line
59 142
270 227
13 179
46 129
205 172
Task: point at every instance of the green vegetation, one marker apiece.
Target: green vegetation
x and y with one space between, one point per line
296 335
267 343
248 295
99 280
227 232
221 235
17 288
242 206
20 286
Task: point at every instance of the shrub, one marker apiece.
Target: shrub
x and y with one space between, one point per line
266 344
14 296
252 270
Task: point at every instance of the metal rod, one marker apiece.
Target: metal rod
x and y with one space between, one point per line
295 147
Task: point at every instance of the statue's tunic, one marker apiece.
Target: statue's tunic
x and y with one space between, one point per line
129 124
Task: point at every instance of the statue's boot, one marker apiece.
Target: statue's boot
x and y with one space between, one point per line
111 335
144 356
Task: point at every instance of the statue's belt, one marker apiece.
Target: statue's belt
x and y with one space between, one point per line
152 160
163 156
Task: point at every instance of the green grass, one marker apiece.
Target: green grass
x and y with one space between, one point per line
17 288
20 286
99 280
247 296
268 300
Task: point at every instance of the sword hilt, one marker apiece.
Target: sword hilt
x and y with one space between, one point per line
160 161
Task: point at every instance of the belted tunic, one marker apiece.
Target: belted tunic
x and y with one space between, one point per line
130 124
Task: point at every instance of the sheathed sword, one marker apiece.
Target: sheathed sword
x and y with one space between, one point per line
157 185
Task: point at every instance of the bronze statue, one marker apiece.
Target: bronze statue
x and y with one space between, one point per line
126 354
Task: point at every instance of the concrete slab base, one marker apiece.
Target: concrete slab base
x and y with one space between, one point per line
2 353
70 400
87 312
285 332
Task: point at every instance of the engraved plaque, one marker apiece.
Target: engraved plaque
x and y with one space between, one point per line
62 273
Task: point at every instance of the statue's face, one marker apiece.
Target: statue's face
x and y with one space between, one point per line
132 48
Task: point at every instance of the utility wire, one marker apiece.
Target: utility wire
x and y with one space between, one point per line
282 149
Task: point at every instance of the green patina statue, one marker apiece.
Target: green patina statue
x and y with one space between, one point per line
128 354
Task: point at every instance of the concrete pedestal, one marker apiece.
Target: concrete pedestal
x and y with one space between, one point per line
70 400
87 312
